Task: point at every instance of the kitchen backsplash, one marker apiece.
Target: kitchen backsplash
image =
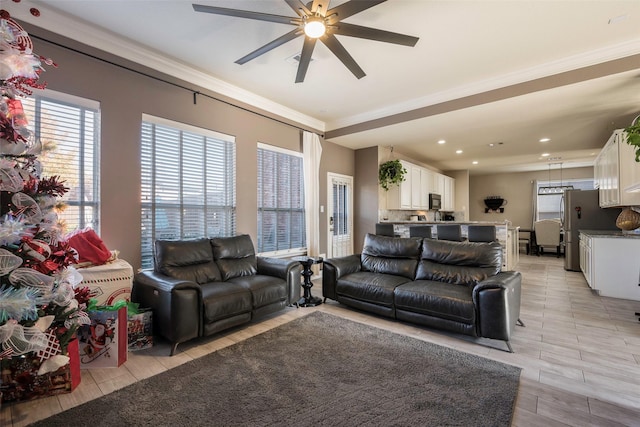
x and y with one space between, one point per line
397 215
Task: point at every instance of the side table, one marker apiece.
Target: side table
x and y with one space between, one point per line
307 299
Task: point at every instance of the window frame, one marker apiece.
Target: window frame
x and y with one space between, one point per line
291 251
190 215
35 125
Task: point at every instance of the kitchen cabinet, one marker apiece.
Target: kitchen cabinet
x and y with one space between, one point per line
610 263
413 192
448 193
399 196
616 171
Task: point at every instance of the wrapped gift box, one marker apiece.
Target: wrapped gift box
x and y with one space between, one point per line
20 379
109 282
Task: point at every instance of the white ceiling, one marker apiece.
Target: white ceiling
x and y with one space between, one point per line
466 48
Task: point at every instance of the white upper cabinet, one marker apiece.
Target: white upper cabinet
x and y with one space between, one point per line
449 194
399 196
413 192
616 171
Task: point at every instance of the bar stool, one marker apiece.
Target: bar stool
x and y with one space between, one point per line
481 233
450 232
420 231
385 229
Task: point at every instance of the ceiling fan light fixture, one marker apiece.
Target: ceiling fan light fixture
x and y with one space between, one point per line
315 27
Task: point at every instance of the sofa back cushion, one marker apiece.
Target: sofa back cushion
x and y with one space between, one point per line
186 260
390 255
461 263
235 256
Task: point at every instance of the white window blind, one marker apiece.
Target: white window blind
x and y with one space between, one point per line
69 130
281 219
188 183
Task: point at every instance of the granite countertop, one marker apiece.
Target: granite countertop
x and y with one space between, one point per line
611 233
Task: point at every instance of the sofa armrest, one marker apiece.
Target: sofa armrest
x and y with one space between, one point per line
335 268
286 269
497 301
176 304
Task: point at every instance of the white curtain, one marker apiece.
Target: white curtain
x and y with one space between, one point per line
312 152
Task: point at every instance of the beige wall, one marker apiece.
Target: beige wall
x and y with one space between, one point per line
125 95
366 195
517 189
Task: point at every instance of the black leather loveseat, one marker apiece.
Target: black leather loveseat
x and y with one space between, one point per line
200 287
456 286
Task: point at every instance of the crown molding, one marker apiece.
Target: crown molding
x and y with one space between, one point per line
64 25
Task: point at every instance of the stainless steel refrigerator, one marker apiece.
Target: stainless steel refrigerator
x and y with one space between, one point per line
581 211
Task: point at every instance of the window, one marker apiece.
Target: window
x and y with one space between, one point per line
549 204
69 129
188 183
281 223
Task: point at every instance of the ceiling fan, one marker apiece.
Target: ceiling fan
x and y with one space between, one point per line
316 21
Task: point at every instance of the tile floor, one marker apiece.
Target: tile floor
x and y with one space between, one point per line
580 354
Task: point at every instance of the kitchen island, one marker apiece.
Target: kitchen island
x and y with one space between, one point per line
506 234
610 263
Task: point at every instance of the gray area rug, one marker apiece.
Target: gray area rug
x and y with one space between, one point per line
319 370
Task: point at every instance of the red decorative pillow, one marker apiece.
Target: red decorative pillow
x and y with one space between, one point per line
90 247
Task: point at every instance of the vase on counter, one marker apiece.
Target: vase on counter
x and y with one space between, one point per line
628 220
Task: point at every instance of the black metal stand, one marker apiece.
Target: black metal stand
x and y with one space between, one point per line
307 299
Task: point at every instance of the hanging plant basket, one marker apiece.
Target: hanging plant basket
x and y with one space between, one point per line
633 136
391 172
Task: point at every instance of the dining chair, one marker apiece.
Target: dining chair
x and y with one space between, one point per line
547 234
481 233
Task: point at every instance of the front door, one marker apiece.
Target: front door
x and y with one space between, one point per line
340 215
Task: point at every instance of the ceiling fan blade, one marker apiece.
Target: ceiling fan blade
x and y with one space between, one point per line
349 8
299 7
247 14
351 30
319 7
271 45
305 58
338 50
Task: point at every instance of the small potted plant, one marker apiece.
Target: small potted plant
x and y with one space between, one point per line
391 172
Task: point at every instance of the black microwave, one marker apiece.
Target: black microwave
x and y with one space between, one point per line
435 201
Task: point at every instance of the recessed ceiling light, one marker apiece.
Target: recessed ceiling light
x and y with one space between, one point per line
492 145
545 154
442 141
545 139
458 151
475 162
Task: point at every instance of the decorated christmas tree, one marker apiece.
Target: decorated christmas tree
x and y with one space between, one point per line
41 305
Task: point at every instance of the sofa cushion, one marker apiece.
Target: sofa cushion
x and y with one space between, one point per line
390 255
186 260
370 287
437 299
264 290
235 256
221 300
459 262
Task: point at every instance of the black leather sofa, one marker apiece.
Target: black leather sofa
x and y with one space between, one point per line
200 287
455 286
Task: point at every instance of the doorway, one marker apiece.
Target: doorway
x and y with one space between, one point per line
340 215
